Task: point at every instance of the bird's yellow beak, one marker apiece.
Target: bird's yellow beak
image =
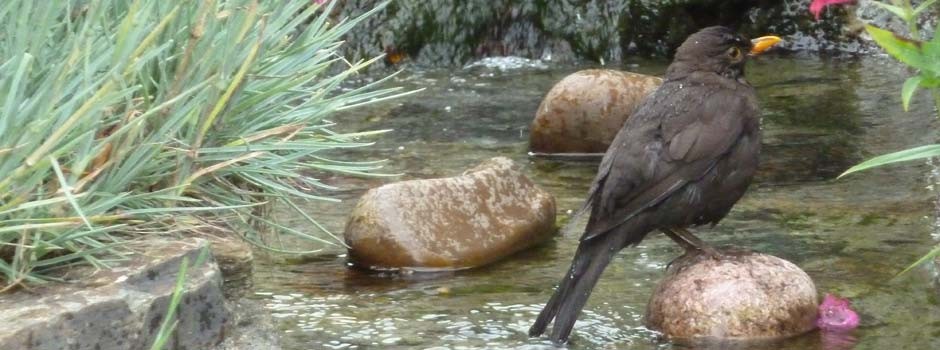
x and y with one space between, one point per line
764 43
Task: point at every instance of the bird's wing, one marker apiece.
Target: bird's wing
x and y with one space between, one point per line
674 138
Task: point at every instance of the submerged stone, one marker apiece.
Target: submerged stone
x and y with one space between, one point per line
583 112
743 297
485 214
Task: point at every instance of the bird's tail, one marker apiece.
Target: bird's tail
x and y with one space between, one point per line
565 305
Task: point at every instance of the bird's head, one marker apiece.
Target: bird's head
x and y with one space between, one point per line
717 49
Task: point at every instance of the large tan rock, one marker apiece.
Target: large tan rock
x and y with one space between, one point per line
745 297
583 112
484 214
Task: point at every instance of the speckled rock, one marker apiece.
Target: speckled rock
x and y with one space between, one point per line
583 112
485 214
251 327
744 297
120 308
236 262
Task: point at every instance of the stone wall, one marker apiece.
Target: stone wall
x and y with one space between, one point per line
453 33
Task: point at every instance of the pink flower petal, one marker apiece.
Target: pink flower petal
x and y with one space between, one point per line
836 314
817 6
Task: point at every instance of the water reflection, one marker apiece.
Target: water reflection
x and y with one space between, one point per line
837 341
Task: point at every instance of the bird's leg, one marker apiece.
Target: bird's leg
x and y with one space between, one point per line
698 243
681 241
690 243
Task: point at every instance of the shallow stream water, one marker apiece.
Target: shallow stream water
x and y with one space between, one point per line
820 116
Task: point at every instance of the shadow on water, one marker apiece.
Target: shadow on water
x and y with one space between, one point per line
820 116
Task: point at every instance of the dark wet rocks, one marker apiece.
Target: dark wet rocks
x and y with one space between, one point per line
123 307
743 297
453 33
250 327
583 112
485 214
236 262
119 308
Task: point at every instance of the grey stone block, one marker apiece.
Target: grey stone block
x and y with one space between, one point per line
120 308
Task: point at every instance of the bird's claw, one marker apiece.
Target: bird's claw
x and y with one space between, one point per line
712 253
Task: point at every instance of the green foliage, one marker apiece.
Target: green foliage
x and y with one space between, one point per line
933 253
905 50
923 55
921 152
908 90
916 53
904 10
123 118
920 55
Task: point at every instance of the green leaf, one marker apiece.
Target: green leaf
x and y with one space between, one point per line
910 86
929 256
928 81
903 49
922 7
931 56
901 12
896 157
169 321
67 191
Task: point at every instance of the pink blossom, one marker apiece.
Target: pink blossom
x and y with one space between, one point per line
817 6
836 314
320 2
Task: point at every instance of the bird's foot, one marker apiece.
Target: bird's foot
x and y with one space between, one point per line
711 252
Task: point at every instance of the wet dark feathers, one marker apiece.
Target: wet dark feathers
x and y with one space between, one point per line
675 137
682 159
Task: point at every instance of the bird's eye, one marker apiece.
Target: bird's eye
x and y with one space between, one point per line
734 53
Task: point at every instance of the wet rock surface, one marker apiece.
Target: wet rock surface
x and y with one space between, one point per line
123 307
487 213
251 327
120 308
453 33
743 297
584 111
235 260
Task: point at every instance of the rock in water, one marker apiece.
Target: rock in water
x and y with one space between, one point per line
486 213
583 112
746 296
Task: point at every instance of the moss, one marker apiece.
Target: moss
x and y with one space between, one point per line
797 221
869 219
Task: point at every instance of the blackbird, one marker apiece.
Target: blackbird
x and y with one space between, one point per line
682 159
